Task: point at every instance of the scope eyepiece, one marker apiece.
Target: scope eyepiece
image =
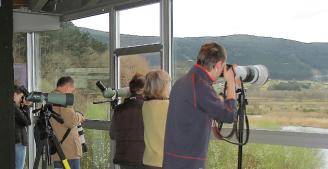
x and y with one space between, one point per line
101 86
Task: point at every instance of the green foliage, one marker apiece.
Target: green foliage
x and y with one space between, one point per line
290 85
98 154
285 59
70 48
222 155
98 141
282 57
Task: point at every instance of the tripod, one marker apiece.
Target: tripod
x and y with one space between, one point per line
238 126
44 137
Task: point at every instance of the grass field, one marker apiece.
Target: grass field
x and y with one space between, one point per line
222 155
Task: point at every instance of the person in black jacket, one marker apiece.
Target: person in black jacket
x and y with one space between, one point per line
22 120
127 127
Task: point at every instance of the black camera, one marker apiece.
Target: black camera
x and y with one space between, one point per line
229 66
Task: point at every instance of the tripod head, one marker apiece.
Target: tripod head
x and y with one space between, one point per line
46 111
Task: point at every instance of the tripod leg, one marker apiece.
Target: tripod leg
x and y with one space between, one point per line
38 154
60 153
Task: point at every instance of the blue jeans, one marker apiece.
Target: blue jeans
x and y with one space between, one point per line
20 153
74 164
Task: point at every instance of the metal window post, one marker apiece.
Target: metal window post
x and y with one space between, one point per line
32 54
7 122
114 66
166 35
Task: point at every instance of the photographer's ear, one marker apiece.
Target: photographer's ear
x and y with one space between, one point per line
219 66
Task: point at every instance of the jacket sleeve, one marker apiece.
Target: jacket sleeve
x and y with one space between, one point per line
208 102
71 118
20 118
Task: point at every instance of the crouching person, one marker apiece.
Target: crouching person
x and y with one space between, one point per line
127 127
70 144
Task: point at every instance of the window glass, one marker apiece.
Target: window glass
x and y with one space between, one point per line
81 51
140 25
141 63
291 43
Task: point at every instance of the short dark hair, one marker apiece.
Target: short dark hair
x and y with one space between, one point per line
137 83
210 54
64 80
17 89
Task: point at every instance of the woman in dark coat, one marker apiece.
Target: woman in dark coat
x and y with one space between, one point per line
127 127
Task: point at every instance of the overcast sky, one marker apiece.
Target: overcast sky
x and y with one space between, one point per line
301 20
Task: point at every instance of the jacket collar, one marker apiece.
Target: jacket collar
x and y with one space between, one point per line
202 72
135 96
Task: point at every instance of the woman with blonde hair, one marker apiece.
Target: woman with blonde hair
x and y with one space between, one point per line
154 112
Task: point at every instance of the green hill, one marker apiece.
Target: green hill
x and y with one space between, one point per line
286 59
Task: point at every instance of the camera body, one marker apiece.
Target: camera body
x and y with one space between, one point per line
229 66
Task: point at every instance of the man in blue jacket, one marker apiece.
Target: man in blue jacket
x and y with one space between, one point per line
193 106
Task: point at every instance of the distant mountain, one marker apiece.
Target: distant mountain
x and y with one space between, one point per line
285 59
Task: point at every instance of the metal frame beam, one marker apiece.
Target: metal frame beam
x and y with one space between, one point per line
7 122
135 4
104 8
96 124
36 5
35 22
114 36
138 49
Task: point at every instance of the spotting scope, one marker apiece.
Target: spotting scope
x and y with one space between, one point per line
110 93
64 99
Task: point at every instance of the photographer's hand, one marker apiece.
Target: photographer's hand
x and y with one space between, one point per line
27 103
229 76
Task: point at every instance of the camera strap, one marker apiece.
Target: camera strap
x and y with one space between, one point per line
242 120
65 135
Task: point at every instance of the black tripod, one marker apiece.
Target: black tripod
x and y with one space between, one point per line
238 126
44 137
